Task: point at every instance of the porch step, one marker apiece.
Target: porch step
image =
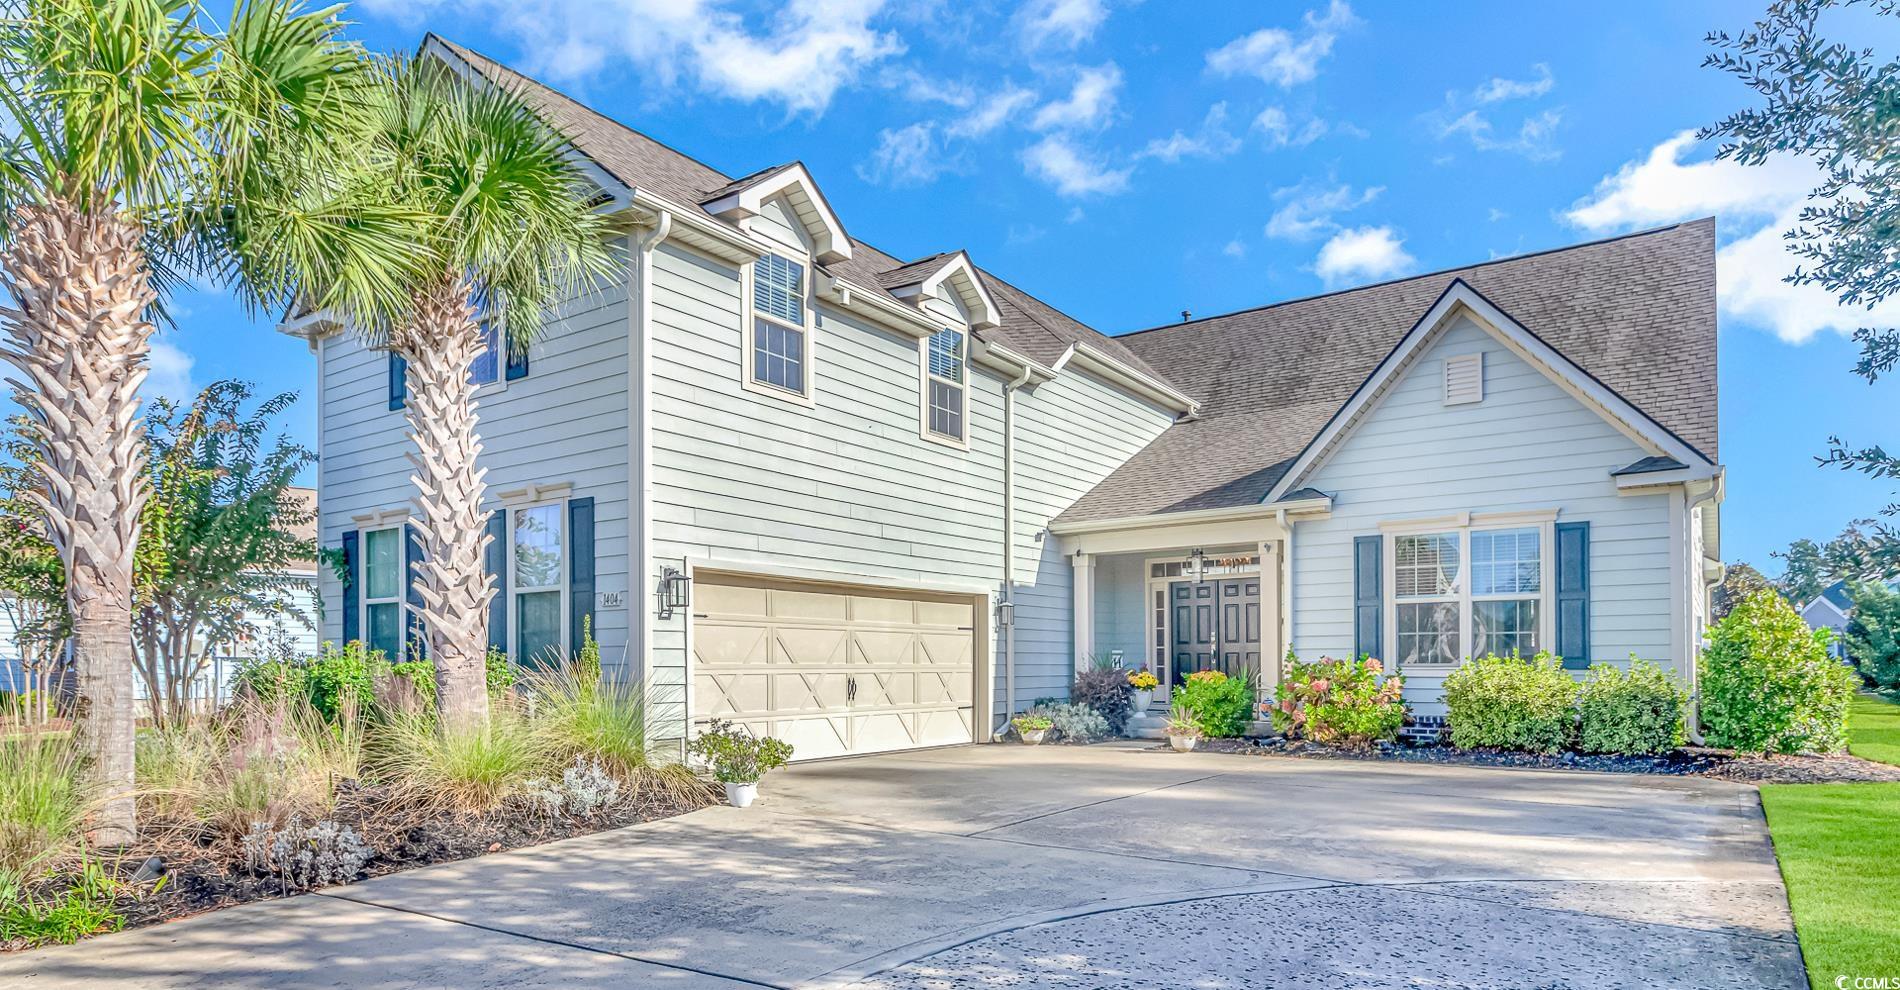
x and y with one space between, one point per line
1150 725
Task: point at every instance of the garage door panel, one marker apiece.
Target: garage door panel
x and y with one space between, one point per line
784 660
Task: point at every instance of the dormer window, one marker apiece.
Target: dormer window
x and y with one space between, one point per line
946 390
780 326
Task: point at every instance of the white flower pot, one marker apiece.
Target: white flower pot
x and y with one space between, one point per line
1184 744
1143 701
742 795
1032 737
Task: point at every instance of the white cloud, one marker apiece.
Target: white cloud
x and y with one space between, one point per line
1535 137
1061 23
992 113
1213 140
1274 123
169 376
1500 89
1057 161
1234 249
1362 254
920 88
1307 210
1090 103
1275 56
1762 200
799 57
1495 214
906 156
1662 189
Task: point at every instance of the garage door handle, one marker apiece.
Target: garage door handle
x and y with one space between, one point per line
850 688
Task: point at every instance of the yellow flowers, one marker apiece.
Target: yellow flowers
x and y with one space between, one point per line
1143 680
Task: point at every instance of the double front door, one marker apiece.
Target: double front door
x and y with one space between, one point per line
1215 626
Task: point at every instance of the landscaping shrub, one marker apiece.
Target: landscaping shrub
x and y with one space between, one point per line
585 789
470 768
1873 634
1340 701
43 800
357 678
256 762
1768 684
1105 688
84 908
1512 703
578 716
1638 711
1069 721
300 858
1222 705
735 755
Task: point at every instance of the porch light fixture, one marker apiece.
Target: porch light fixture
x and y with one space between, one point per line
1197 558
675 591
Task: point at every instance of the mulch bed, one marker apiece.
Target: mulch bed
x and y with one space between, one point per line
1692 761
209 877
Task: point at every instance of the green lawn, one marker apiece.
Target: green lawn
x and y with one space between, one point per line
1873 729
1839 846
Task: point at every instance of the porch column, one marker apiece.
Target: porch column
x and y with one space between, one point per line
1084 609
1272 638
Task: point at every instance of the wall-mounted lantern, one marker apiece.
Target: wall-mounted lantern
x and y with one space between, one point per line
675 591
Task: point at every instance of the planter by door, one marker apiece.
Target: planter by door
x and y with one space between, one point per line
1034 737
1142 701
1181 744
742 795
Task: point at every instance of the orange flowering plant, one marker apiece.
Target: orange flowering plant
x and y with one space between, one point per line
1353 702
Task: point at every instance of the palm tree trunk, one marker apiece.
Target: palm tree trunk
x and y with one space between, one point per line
80 338
439 346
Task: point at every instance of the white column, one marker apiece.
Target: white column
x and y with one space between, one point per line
1084 609
1272 640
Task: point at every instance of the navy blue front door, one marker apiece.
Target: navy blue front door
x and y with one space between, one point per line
1215 626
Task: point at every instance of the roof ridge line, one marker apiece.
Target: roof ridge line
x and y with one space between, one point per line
1411 278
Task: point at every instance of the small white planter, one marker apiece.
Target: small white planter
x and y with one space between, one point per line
1181 744
742 795
1143 700
1032 737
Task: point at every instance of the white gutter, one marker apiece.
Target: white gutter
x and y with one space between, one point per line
1157 520
640 433
1093 359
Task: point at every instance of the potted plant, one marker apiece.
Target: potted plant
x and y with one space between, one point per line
1144 682
1031 728
737 758
1184 730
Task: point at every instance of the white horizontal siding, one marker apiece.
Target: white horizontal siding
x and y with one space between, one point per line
565 422
1528 445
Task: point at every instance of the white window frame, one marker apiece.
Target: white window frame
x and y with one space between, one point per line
400 599
515 590
925 377
1463 525
750 315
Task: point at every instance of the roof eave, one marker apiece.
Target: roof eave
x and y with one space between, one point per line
1227 513
1119 373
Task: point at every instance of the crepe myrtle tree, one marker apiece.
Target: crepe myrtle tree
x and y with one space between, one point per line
502 227
1836 104
132 129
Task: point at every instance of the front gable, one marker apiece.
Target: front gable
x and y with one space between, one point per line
746 199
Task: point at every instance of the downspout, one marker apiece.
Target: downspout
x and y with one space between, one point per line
640 460
1009 547
1694 567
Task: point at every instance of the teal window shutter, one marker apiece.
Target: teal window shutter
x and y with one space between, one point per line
398 381
415 644
580 570
517 361
495 564
1573 594
352 617
1368 601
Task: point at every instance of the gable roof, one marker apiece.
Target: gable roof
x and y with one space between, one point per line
1636 313
1027 325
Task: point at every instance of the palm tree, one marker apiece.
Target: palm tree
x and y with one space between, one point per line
505 229
131 125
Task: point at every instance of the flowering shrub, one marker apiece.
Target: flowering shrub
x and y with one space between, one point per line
1512 703
1768 685
1222 705
1635 712
1143 680
1340 701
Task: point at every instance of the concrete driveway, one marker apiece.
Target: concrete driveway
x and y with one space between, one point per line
1006 866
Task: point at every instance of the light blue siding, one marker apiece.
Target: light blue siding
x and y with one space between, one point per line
1528 446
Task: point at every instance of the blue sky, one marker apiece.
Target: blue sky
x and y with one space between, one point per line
1127 161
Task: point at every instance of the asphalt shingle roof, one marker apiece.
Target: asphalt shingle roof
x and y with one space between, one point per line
1029 326
1635 312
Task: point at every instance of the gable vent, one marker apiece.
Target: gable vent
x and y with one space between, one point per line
1464 379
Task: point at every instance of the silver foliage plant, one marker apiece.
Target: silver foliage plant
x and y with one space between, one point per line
322 855
585 789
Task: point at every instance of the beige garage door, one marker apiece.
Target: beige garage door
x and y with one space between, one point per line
834 670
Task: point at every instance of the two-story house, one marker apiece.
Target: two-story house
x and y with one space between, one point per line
864 502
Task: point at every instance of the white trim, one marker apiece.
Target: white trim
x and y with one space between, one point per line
1475 520
1091 358
640 576
1464 525
1083 616
829 242
400 527
962 277
867 579
379 518
749 315
1459 296
1316 508
925 377
515 498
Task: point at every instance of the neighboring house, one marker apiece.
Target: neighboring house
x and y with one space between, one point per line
867 503
1831 610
